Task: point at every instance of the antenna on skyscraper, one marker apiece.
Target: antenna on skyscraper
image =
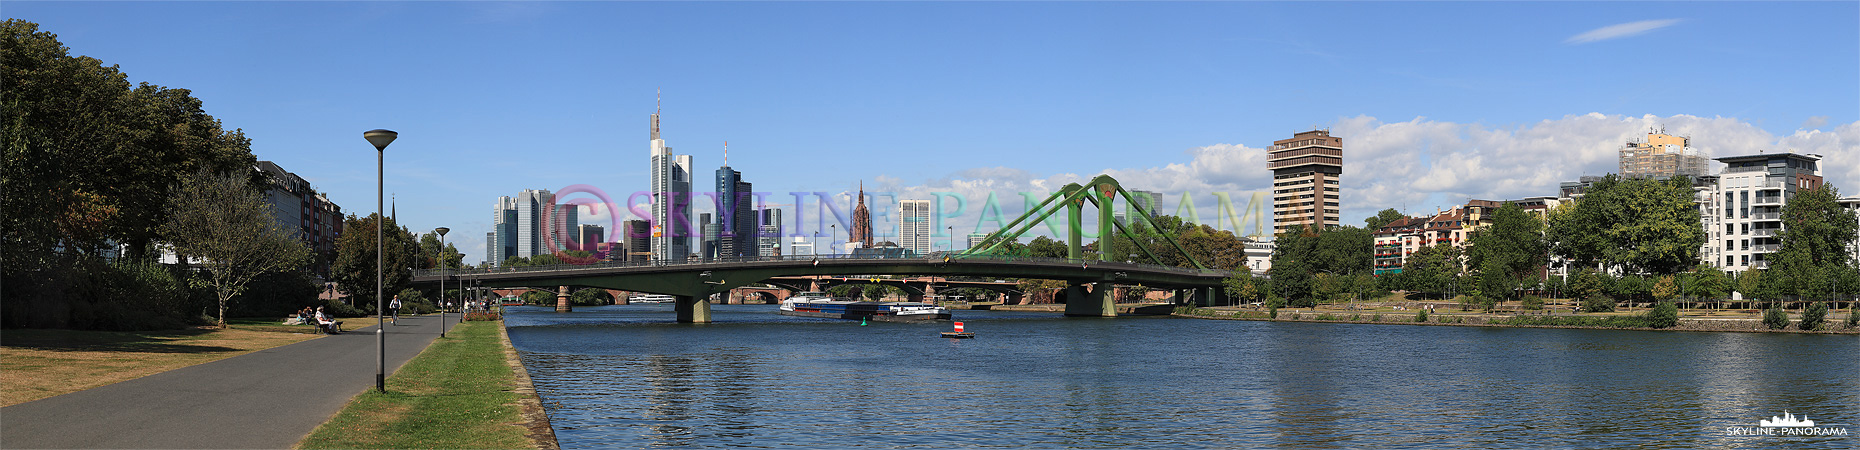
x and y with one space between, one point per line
658 100
726 153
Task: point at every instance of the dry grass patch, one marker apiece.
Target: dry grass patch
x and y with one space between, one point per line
46 363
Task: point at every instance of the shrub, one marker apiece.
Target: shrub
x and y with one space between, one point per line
1272 311
1534 303
1812 317
1853 316
1598 304
1421 316
483 316
1663 315
339 309
1375 318
1775 317
1578 321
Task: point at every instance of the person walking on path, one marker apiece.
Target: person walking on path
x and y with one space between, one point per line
394 306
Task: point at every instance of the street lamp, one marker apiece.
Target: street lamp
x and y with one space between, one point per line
442 279
835 239
380 139
952 238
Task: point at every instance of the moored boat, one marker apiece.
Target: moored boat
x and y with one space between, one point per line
819 304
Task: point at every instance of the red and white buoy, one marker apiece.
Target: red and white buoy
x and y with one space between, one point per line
958 334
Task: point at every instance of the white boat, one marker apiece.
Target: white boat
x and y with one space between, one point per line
819 304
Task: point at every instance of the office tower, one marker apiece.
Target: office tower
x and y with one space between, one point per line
503 240
1742 212
802 246
708 247
768 232
636 242
589 237
1305 187
976 239
532 222
914 225
671 199
1662 156
862 222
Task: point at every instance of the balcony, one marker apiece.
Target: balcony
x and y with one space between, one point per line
1766 248
1766 216
1766 232
1767 200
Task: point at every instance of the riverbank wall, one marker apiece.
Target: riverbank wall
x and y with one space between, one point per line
1498 320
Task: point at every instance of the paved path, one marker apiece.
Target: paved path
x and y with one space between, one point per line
266 399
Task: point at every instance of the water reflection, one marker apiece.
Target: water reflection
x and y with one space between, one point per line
627 377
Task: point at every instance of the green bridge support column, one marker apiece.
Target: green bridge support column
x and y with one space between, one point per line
1096 304
692 309
561 300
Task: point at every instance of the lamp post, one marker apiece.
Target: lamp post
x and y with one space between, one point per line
952 238
835 239
380 139
442 279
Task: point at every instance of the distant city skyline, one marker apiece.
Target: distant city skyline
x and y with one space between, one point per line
1438 102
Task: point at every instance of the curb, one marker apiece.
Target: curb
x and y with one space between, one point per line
536 419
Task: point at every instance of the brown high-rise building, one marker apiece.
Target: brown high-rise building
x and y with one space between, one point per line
862 221
1661 156
1305 181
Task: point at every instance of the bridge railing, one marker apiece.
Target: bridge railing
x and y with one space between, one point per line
933 257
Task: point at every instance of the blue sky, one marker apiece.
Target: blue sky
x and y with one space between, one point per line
1437 102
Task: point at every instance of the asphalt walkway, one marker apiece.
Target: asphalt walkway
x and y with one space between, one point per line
266 399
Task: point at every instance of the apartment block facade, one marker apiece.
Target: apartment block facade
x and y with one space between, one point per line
1306 185
1742 212
1661 155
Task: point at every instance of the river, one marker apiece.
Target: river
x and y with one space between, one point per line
627 377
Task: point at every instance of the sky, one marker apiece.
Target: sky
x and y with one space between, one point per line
1437 102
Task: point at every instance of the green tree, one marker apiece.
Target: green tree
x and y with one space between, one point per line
226 224
354 269
1775 318
1240 285
1812 317
431 254
1046 247
590 297
1709 283
1511 249
1817 231
1639 225
1430 270
1586 286
1381 218
1663 315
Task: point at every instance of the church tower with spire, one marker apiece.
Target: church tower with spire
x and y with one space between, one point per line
862 222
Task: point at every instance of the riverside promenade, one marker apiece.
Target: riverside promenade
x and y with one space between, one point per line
266 399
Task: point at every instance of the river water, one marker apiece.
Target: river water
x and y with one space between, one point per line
627 377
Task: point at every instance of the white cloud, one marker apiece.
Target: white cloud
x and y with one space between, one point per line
1620 31
1814 122
1416 165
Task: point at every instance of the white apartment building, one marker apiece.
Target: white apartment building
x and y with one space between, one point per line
1742 213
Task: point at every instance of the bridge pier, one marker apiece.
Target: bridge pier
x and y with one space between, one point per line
561 300
692 309
1099 303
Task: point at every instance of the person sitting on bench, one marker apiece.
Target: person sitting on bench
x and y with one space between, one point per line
324 323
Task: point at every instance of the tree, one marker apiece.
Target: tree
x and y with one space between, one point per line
224 222
1511 249
1241 286
1431 270
1382 218
431 254
1046 247
354 269
1586 287
1663 315
1708 283
1640 225
1816 233
1665 289
590 297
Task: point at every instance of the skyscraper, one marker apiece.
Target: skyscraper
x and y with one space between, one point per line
671 199
736 219
914 225
1662 156
519 224
503 238
1305 186
862 222
768 234
587 237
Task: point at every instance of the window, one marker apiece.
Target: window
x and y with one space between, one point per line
1746 245
1727 244
1743 260
1745 228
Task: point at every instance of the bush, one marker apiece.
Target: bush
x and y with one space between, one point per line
275 294
483 316
1534 303
1663 315
1272 311
1578 321
1775 317
336 308
1812 317
1853 316
1421 316
1598 304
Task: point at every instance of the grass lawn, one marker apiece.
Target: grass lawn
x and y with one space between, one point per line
45 363
456 394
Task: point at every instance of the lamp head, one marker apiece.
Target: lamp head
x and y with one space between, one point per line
380 138
442 231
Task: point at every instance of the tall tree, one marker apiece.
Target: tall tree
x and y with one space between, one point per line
1815 236
225 222
1639 225
1384 217
354 270
1513 246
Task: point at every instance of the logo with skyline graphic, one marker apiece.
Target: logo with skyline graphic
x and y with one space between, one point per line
1787 424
